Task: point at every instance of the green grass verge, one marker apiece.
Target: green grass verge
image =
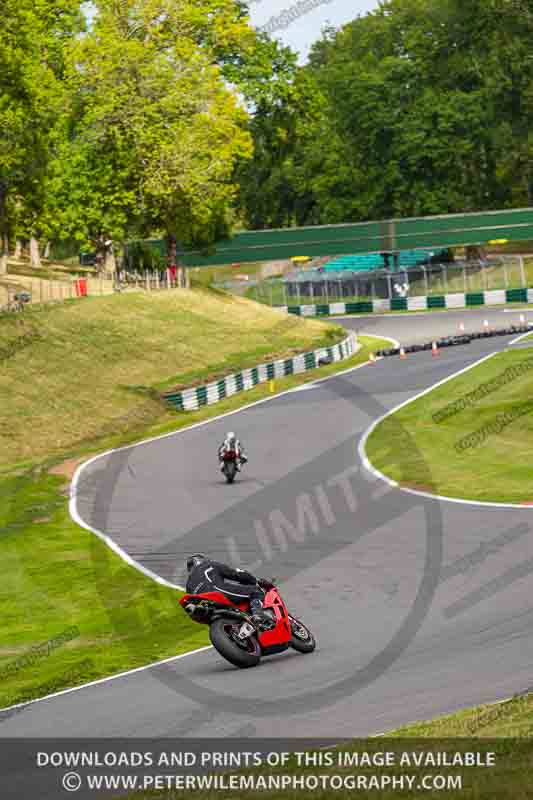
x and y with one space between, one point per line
510 719
57 576
417 451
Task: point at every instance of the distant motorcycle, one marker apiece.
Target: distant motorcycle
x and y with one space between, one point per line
239 639
229 465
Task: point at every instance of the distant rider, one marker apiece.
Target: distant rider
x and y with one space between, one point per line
232 444
206 575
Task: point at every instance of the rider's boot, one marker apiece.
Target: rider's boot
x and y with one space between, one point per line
260 617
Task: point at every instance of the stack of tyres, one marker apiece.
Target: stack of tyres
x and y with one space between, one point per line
453 341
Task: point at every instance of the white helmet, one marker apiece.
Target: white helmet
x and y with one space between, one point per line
230 436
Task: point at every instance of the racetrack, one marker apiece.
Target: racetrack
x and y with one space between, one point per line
424 326
420 606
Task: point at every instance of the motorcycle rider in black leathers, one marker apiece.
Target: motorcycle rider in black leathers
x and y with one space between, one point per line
206 575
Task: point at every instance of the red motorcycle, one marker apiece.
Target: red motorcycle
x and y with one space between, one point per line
238 638
229 459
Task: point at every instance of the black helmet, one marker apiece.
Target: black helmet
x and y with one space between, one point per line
194 560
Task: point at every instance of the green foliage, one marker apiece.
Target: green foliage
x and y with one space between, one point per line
421 107
31 97
131 128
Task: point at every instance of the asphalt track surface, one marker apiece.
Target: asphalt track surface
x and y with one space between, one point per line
424 326
420 606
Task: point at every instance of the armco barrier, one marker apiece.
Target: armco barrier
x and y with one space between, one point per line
417 303
192 399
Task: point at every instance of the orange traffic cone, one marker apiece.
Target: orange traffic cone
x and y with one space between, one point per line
372 359
461 327
402 353
434 349
486 324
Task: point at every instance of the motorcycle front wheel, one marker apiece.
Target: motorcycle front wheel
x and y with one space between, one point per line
302 639
230 470
223 635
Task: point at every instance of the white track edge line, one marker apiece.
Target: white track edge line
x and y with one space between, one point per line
361 449
114 677
522 336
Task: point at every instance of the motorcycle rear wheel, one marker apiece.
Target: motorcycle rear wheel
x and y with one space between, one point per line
302 640
237 654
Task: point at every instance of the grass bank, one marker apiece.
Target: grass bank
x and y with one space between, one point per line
469 438
71 610
86 369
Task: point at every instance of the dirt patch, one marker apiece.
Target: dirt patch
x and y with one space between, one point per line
67 468
418 487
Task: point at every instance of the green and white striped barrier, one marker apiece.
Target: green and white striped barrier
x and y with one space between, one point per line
426 302
192 399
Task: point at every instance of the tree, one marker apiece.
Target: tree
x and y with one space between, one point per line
32 41
156 130
420 107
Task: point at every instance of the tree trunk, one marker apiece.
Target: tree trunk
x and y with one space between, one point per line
110 263
35 256
18 249
172 250
3 254
172 258
47 248
4 243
